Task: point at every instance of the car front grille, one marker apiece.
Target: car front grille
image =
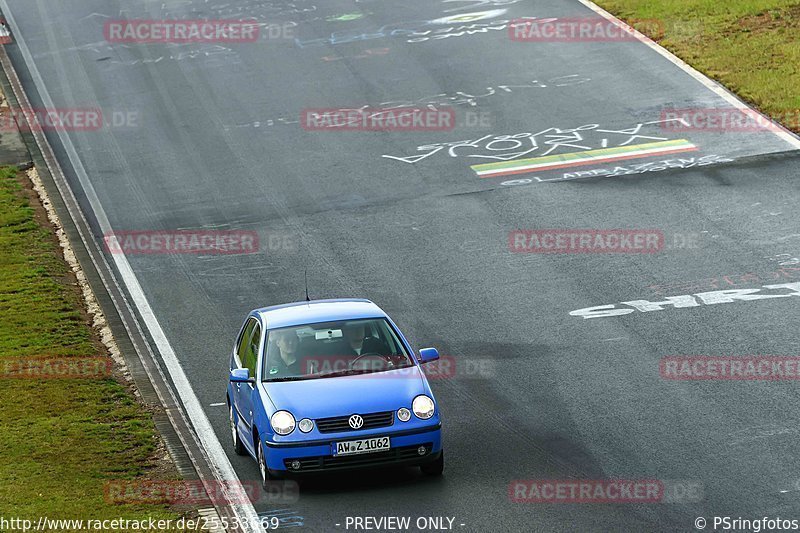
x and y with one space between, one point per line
330 462
340 423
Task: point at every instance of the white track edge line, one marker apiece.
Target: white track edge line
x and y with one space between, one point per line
205 432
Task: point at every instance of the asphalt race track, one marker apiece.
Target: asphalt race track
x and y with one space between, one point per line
537 393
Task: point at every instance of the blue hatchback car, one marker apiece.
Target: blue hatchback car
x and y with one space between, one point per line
328 385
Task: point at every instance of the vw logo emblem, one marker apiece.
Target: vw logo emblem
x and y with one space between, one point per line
356 421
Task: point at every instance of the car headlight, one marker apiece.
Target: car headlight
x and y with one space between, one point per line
282 422
306 425
403 414
423 407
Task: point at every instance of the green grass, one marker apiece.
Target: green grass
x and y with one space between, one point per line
750 46
61 440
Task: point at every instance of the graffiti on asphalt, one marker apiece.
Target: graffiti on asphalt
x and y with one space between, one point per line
507 147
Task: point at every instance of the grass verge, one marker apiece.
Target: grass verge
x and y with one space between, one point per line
752 47
62 439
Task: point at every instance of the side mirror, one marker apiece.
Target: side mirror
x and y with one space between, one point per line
426 355
241 375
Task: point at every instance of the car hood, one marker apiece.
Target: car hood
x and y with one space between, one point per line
344 395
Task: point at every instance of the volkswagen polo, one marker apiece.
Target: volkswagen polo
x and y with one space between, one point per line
328 385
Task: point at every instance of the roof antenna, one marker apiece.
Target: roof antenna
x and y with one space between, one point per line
305 273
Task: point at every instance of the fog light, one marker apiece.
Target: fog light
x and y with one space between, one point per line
306 425
422 450
295 465
403 414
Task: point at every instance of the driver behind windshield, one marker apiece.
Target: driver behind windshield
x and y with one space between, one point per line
330 349
284 360
354 334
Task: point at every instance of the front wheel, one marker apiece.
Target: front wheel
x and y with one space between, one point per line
238 446
434 468
266 477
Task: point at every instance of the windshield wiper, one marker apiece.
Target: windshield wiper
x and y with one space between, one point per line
350 372
289 378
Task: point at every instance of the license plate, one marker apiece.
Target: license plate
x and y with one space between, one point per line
353 447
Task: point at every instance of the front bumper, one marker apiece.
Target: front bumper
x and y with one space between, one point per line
317 455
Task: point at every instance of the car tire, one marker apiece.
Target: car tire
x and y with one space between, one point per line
238 445
266 476
434 468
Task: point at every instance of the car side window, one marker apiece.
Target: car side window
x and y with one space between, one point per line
251 354
244 341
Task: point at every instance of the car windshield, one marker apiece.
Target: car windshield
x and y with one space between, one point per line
332 349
